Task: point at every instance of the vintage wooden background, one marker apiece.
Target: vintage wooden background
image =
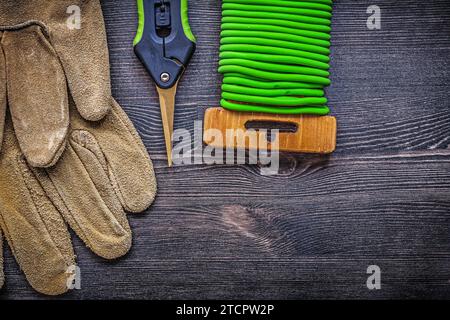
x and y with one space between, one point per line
310 232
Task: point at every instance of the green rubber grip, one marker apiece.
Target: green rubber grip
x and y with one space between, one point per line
184 21
141 22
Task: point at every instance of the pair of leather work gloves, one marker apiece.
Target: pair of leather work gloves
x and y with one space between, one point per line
69 156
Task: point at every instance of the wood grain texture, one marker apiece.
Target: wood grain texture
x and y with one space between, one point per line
310 232
310 134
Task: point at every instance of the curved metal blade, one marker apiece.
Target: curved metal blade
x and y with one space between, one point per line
167 104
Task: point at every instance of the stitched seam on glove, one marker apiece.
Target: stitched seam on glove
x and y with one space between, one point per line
21 164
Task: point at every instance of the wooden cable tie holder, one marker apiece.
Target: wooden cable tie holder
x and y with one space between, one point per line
314 134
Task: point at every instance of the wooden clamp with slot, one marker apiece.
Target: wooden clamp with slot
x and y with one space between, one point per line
313 134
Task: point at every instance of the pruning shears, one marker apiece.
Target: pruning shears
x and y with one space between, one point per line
165 44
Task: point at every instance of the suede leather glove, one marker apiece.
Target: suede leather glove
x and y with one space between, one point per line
44 55
58 166
104 171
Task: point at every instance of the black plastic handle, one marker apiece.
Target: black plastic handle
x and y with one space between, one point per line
163 46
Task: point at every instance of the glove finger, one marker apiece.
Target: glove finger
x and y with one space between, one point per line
83 51
127 162
37 95
2 92
79 186
36 232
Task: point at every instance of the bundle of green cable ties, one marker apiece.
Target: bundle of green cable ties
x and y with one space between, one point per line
274 55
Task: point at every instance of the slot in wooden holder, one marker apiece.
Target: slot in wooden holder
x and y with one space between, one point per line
314 134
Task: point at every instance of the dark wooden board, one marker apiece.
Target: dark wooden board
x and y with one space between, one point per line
310 232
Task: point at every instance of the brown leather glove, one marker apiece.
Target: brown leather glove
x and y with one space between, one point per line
94 170
104 171
43 56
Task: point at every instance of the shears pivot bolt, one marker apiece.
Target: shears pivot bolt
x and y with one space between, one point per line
165 77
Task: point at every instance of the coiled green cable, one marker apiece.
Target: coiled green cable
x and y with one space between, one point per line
304 35
318 5
274 58
274 55
315 16
297 28
278 37
276 67
308 23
